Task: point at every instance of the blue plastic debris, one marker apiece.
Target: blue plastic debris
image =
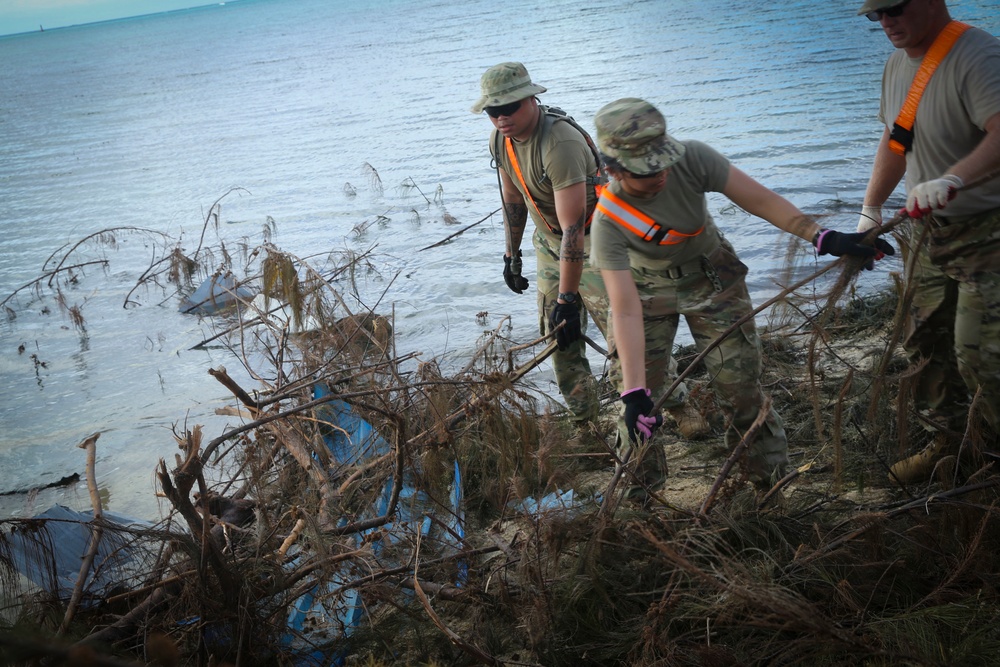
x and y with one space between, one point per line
49 550
329 612
557 501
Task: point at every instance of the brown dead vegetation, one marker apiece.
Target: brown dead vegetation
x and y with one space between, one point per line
836 565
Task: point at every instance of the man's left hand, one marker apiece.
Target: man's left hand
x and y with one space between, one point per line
571 331
932 195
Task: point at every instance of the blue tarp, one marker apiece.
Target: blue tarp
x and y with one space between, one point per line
50 552
322 616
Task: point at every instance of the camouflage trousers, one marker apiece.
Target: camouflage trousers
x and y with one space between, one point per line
711 294
574 377
954 318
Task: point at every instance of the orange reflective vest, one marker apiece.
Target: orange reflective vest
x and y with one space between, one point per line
901 136
638 222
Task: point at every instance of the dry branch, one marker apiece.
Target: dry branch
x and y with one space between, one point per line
47 275
737 324
460 232
735 456
96 532
476 653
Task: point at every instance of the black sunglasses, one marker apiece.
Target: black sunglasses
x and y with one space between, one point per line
891 12
503 109
635 175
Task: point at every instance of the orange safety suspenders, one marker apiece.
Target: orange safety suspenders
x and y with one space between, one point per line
509 146
512 156
638 222
901 136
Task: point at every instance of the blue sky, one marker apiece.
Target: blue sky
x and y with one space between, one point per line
26 15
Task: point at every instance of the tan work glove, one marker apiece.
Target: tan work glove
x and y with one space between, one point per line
932 195
871 216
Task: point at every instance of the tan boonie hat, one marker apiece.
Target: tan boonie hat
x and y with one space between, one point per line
503 84
634 134
872 5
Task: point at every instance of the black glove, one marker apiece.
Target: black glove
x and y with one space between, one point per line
638 418
832 242
512 273
571 332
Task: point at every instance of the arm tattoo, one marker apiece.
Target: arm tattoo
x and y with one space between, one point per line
515 215
571 249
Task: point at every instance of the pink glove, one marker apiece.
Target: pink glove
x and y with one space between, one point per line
639 419
931 195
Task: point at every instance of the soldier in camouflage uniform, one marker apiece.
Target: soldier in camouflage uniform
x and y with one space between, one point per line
662 256
953 329
548 170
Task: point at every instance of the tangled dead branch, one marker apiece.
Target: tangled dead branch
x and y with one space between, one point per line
370 508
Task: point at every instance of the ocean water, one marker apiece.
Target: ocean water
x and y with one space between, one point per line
285 110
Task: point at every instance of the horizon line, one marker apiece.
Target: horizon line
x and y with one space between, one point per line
42 28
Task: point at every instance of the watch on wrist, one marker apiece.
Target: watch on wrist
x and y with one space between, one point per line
568 297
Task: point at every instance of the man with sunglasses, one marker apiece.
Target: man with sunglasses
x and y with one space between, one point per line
944 136
547 170
662 256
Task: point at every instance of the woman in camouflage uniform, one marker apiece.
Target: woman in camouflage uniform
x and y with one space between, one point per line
662 256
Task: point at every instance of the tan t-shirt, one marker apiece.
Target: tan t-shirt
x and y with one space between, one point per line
962 94
680 205
554 157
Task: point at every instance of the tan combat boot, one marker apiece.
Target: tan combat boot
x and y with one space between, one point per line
919 467
691 424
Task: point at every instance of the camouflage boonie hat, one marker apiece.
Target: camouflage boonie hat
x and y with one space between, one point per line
634 134
872 5
503 84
